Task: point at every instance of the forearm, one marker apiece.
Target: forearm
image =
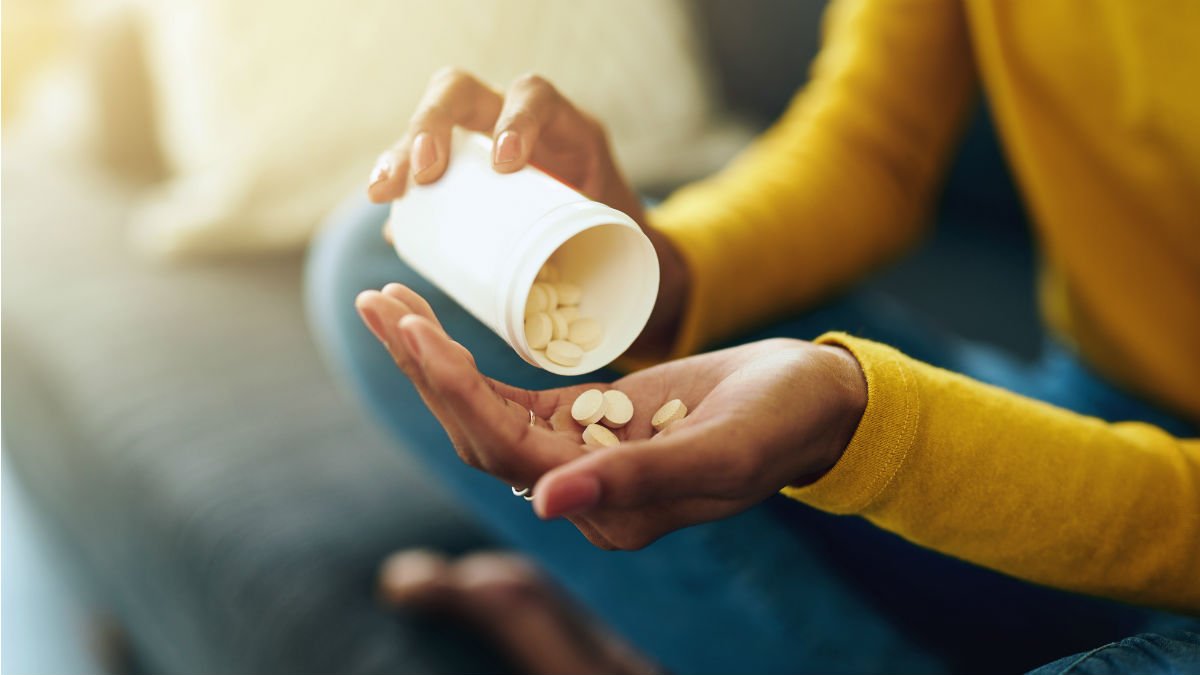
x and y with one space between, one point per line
842 182
1020 486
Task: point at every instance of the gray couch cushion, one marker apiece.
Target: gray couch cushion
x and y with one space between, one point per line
229 504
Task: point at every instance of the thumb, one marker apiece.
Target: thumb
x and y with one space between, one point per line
688 463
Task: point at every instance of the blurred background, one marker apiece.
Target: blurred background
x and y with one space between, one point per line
165 164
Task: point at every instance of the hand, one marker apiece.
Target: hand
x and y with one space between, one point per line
530 123
763 416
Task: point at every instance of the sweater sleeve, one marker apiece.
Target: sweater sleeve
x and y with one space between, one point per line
1019 486
840 183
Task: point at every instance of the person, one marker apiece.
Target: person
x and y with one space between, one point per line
1014 493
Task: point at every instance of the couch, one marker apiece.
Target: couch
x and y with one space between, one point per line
167 418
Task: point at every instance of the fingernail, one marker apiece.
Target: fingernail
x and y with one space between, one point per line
383 169
572 494
508 148
411 341
372 320
424 153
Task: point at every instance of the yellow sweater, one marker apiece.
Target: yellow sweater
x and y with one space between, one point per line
1098 106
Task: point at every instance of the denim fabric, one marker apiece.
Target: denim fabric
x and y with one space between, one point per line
781 587
1175 652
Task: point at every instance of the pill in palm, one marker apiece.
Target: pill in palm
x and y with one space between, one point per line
586 332
588 407
598 436
618 409
537 301
539 330
672 411
559 324
568 294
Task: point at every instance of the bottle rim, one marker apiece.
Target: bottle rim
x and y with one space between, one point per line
545 236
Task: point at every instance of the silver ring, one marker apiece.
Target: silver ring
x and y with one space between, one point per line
525 493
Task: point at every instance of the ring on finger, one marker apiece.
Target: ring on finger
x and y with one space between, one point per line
525 493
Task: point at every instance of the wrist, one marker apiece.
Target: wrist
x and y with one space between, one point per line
846 386
674 287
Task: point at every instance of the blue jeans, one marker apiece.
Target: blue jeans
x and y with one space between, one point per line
781 587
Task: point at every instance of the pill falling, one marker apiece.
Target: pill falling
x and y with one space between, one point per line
618 409
597 436
672 411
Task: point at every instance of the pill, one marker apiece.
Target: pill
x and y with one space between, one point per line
537 300
672 411
588 408
618 409
548 273
539 330
569 313
568 294
559 324
599 437
585 332
551 295
564 353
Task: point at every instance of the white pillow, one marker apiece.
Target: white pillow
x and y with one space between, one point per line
271 111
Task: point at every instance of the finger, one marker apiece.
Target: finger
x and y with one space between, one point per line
691 462
453 98
382 314
592 533
420 306
542 403
414 300
389 176
405 302
530 105
496 427
635 528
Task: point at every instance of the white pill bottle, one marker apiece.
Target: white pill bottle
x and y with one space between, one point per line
482 237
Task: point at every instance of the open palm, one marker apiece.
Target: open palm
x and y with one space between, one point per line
763 416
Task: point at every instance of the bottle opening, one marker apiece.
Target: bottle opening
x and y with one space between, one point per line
617 270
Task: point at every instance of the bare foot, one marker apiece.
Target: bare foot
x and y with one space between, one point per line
505 596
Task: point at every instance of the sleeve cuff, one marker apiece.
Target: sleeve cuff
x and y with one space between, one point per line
884 436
